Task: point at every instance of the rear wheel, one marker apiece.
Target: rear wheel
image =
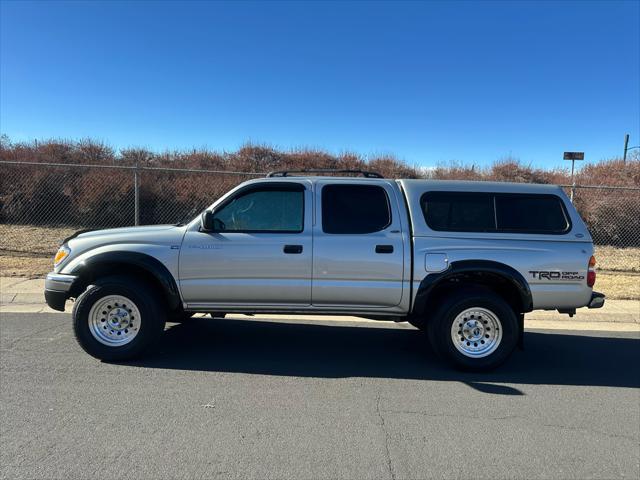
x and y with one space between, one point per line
117 318
475 330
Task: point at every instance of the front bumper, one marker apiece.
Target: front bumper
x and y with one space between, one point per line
57 288
597 300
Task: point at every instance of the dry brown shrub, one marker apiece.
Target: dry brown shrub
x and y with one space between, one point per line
104 197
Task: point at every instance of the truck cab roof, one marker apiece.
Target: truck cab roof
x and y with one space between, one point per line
410 185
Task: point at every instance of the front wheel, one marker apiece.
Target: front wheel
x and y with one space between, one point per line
475 330
117 318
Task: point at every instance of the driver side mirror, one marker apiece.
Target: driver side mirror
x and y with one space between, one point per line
206 221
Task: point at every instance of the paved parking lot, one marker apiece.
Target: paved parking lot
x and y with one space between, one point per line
276 399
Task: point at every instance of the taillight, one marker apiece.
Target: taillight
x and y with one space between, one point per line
591 272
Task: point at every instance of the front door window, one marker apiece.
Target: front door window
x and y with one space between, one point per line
263 211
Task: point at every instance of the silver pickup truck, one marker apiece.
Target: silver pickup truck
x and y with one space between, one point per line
461 260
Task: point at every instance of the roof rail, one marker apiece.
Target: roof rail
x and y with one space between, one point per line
287 173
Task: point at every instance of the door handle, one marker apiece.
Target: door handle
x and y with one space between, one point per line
292 249
384 248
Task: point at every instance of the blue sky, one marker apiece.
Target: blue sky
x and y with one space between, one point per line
429 82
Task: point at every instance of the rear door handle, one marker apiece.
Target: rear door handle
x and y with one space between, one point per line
384 248
292 249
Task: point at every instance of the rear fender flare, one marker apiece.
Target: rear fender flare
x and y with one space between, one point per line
464 268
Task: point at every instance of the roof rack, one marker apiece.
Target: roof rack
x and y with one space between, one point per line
287 173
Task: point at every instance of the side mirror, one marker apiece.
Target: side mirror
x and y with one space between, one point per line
206 221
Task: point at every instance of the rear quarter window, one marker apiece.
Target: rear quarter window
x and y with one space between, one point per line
495 212
462 212
531 214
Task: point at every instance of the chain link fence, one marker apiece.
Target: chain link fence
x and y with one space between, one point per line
42 203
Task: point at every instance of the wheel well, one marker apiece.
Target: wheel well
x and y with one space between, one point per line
88 275
490 281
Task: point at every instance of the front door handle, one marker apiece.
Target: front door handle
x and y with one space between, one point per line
292 249
384 248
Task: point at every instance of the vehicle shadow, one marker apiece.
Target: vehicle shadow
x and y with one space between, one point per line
371 350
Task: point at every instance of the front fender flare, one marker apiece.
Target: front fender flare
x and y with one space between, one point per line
141 261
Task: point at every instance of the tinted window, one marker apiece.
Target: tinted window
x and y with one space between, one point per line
263 211
459 212
354 209
487 212
530 213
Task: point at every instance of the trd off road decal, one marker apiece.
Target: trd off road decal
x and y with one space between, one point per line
546 275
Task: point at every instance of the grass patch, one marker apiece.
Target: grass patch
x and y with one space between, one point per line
21 265
28 239
614 259
618 286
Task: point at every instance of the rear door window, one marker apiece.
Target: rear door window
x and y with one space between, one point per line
354 209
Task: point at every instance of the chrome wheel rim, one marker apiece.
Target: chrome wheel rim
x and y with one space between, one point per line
476 332
114 320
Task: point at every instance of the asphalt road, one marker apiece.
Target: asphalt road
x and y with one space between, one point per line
261 399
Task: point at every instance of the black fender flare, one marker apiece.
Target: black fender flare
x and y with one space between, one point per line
150 265
462 267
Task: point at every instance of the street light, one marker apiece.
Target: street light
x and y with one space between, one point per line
626 148
573 156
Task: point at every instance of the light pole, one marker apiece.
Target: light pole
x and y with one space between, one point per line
573 156
627 148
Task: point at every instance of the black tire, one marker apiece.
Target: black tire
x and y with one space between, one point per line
439 329
150 324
